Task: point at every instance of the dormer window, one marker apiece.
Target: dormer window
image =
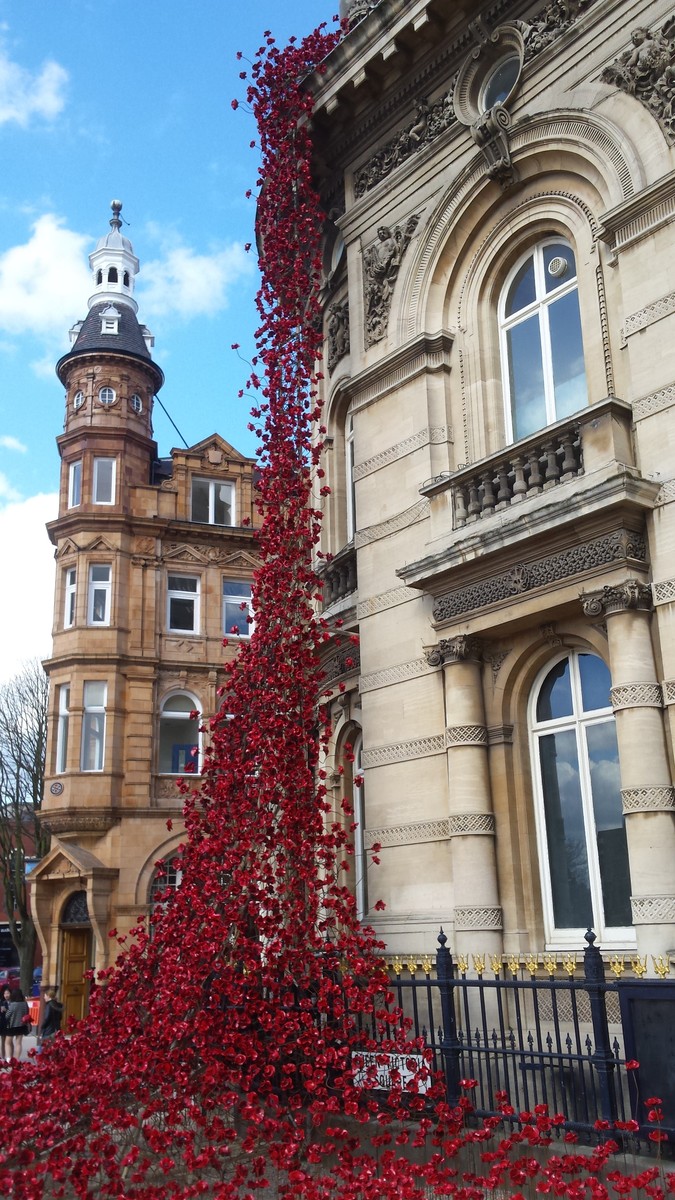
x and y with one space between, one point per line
212 502
112 275
110 320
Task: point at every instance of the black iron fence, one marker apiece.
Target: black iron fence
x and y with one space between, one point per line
569 1043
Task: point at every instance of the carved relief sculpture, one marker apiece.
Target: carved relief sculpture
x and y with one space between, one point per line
338 333
427 122
647 71
381 264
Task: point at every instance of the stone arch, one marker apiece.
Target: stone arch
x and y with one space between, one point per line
564 144
165 850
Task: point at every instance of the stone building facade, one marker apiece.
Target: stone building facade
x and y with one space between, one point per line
154 566
499 399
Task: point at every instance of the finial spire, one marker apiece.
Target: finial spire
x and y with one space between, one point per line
115 220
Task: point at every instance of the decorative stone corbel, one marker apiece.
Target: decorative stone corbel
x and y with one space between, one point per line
489 132
631 594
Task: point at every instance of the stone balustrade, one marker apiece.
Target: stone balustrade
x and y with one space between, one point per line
526 469
339 576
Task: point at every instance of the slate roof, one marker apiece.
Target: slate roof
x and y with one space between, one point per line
129 340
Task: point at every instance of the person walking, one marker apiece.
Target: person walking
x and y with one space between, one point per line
18 1023
51 1018
4 1005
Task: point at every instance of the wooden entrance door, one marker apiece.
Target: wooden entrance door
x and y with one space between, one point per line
76 960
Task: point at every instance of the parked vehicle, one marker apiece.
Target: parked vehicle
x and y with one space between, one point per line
10 977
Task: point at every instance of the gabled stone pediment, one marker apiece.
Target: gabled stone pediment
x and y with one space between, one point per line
67 860
101 543
67 547
181 552
213 450
244 561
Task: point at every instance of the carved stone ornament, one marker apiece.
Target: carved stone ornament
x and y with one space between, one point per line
356 10
489 133
632 594
478 918
453 650
653 910
337 333
430 119
647 71
381 265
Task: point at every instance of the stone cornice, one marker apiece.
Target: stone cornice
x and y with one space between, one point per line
638 216
426 352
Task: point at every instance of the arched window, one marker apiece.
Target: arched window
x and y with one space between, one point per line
166 878
580 824
112 275
541 345
125 278
179 735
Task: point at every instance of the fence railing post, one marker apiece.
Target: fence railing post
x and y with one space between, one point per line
602 1057
450 1045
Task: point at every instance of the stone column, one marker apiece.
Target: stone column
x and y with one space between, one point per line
478 915
647 794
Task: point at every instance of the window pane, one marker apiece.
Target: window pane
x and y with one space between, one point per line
236 587
182 583
103 480
559 265
595 682
555 696
235 620
223 504
182 614
522 291
565 832
100 574
99 607
177 740
610 827
93 736
75 484
526 378
94 694
567 354
178 704
500 82
200 500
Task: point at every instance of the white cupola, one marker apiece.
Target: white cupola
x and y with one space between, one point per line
114 265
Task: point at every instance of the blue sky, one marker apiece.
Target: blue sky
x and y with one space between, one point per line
128 100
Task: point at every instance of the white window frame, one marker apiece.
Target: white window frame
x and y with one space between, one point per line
93 728
95 481
102 586
350 491
168 717
238 599
75 484
613 936
69 597
540 306
213 484
173 593
62 726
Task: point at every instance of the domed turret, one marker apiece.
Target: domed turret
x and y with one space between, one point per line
114 265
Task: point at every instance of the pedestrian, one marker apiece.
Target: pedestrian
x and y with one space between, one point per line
4 1005
18 1023
51 1017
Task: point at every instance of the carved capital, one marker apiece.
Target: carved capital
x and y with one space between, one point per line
615 598
463 648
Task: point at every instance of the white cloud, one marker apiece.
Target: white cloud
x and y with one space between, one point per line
184 283
26 606
7 492
7 442
45 282
26 94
